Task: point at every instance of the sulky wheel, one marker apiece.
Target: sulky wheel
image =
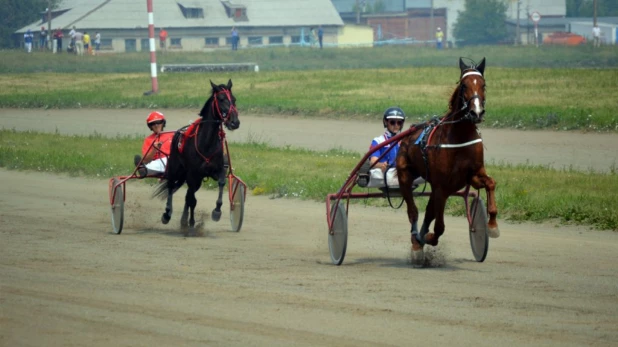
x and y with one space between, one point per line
479 241
237 205
338 240
117 206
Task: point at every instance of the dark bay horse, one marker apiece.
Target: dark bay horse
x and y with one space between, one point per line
447 153
198 153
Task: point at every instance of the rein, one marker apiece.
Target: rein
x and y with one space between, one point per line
222 120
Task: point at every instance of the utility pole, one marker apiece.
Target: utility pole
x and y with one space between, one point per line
49 27
594 5
357 12
432 25
517 35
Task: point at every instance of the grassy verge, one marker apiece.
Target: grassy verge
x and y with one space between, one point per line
561 99
305 59
524 193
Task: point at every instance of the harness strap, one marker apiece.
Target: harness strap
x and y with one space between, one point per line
458 145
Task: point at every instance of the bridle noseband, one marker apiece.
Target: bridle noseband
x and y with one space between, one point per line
223 116
474 118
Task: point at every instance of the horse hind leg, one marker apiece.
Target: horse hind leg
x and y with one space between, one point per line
435 211
216 213
167 215
479 181
405 185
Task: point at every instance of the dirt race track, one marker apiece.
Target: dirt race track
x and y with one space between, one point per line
66 280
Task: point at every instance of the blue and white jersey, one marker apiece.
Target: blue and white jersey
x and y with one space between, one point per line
28 37
391 155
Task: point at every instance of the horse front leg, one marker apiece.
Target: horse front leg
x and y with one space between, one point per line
190 203
482 180
216 213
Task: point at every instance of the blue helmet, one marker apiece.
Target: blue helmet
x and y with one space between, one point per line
393 113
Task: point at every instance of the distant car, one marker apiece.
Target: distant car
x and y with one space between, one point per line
564 38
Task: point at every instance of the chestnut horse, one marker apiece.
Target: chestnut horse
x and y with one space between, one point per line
447 153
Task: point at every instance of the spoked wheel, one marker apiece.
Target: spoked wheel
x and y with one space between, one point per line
338 241
479 241
237 206
117 206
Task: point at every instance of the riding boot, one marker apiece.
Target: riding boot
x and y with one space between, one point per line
137 159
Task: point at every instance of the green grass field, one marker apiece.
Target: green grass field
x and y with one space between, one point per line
524 193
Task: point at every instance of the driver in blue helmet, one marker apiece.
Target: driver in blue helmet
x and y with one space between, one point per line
392 120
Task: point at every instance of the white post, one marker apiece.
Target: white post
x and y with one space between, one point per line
153 56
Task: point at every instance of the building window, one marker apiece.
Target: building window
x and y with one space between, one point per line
130 45
145 44
296 39
228 41
275 40
176 43
211 41
191 12
237 12
106 44
255 40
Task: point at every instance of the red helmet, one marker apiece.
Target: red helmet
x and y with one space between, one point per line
155 116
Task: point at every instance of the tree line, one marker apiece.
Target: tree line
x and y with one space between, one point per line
16 14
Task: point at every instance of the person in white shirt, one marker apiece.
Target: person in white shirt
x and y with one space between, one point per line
596 35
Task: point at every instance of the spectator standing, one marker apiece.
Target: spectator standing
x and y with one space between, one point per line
87 46
162 38
43 39
596 35
72 36
79 43
28 37
234 39
97 42
320 35
312 37
439 38
58 35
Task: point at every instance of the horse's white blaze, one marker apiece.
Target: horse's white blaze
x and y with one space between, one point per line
477 104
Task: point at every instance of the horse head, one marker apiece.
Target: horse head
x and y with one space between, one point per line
224 105
470 96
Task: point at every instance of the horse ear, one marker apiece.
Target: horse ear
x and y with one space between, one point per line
481 67
229 84
462 65
214 87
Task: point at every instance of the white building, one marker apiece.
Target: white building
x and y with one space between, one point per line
196 25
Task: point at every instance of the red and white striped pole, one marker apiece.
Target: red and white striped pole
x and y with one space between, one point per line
153 55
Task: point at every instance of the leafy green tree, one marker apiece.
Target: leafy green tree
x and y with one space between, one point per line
481 22
585 8
16 14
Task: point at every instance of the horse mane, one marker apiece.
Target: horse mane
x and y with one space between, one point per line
454 103
207 104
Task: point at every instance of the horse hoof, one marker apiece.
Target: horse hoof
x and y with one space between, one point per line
493 233
191 232
184 223
418 258
216 215
165 218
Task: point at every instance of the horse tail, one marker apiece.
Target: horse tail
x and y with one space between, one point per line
162 189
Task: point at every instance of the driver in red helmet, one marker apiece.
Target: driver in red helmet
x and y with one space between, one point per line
156 147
